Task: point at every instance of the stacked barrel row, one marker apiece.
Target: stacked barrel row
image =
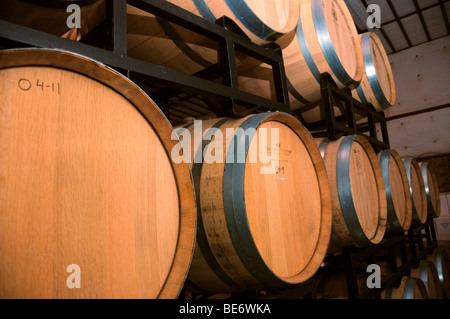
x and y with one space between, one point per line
316 36
95 178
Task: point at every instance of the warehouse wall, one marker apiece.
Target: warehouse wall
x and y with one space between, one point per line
422 77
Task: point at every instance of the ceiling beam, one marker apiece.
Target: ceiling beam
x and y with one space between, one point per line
407 15
422 20
399 21
444 15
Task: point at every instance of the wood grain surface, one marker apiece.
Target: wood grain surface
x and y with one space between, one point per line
87 180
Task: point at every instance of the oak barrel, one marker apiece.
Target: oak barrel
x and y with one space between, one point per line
261 21
260 223
409 288
183 50
431 190
357 192
398 197
441 261
188 51
417 191
427 272
325 40
87 180
377 85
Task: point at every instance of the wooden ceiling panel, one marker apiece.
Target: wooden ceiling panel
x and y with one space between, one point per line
435 22
426 3
408 22
395 34
414 29
404 7
386 13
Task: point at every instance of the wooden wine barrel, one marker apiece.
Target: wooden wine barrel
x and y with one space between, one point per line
441 261
417 191
326 40
262 22
189 52
87 180
357 192
431 190
410 288
398 197
257 227
377 85
47 16
427 272
184 50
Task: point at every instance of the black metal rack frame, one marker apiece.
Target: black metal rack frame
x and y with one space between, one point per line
422 240
335 126
13 35
353 261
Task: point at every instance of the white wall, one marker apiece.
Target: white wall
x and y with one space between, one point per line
422 76
425 134
422 79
